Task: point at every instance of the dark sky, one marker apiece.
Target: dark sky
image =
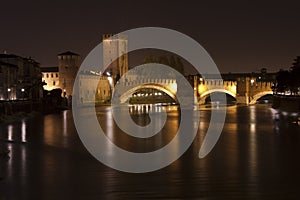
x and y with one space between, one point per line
239 35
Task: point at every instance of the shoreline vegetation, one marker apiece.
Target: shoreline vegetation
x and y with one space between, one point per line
286 103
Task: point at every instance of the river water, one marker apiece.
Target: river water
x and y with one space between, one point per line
256 157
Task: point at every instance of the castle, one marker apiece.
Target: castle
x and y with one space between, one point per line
64 75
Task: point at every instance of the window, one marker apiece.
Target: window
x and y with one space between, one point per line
53 83
56 75
51 75
47 75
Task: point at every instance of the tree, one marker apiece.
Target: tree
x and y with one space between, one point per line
172 61
295 76
282 81
296 64
289 80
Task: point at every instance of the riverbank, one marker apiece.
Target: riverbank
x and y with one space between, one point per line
287 103
17 116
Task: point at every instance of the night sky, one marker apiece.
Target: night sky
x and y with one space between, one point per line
241 36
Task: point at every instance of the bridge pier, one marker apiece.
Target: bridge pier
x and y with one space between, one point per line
242 99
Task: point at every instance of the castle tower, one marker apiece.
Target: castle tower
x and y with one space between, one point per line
115 46
68 65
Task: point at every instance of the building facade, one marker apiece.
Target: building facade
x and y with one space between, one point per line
50 78
8 81
27 80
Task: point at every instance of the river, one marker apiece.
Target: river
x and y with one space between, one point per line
256 157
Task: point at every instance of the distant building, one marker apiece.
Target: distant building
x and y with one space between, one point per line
50 76
68 65
28 77
8 81
64 75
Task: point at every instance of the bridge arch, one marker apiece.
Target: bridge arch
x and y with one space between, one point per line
208 92
125 96
259 95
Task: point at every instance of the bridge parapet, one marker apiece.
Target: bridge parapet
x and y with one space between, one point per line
208 86
246 90
147 81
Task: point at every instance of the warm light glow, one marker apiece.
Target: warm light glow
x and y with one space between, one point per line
22 90
252 81
8 89
201 88
110 80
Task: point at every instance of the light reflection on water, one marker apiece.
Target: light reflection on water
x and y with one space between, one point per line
10 133
23 131
252 159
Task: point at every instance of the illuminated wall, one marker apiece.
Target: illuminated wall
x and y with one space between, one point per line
115 46
87 91
51 78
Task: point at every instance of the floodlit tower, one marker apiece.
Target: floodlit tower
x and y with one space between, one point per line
115 46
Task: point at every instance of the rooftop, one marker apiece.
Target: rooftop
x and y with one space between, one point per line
7 64
49 69
68 53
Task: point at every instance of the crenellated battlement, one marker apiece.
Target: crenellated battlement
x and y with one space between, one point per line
245 89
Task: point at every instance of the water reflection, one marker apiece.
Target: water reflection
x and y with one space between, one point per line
23 131
10 133
65 130
252 114
252 151
249 161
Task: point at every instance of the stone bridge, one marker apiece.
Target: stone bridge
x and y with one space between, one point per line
246 90
125 90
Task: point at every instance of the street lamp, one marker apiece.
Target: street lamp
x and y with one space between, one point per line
8 93
23 90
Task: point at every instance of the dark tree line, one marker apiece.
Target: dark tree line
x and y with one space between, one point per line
289 80
172 61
